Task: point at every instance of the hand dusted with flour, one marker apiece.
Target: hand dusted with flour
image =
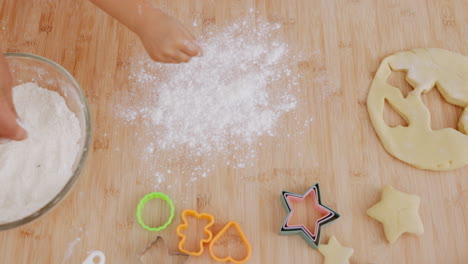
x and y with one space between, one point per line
33 171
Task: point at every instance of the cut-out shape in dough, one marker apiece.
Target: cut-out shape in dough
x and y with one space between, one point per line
443 114
418 144
398 79
392 118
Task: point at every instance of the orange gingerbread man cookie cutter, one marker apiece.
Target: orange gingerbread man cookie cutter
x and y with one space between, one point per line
184 226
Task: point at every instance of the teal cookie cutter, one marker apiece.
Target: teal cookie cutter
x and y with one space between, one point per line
311 237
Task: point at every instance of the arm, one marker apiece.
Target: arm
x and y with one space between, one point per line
163 37
9 128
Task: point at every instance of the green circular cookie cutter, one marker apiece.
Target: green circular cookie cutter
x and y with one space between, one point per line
151 196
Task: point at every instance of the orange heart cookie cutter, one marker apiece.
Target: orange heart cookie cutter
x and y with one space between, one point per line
242 237
184 226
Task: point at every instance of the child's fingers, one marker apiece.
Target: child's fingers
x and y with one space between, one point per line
9 127
167 59
159 57
182 57
171 58
192 37
191 48
188 34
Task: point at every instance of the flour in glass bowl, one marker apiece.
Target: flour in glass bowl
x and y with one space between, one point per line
34 171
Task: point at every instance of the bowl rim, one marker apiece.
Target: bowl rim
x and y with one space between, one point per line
77 172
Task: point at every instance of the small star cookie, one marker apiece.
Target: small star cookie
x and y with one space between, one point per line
398 212
334 253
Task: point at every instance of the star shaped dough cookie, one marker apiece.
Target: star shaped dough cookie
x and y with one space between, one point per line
398 212
335 253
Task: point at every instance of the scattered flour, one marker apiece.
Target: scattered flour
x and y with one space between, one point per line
160 178
33 171
71 247
219 104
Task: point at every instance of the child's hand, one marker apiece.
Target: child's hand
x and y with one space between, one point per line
165 39
9 128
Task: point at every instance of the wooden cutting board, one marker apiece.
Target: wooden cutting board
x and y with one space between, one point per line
339 148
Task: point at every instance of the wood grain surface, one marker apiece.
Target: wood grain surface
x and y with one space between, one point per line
339 148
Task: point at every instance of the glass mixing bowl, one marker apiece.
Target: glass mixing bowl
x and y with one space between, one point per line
48 74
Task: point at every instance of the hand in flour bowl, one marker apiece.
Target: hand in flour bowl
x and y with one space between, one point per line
37 173
10 128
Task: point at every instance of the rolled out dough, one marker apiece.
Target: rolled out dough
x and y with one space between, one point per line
417 144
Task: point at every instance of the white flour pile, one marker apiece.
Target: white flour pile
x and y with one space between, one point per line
33 171
220 103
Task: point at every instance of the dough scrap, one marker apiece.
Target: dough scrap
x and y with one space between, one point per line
398 212
335 253
417 144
